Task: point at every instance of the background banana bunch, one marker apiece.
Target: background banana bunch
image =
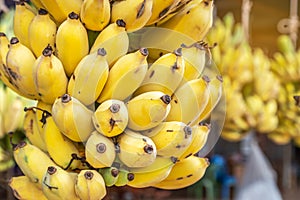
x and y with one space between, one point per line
114 105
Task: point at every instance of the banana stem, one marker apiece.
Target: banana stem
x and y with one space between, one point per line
294 22
246 9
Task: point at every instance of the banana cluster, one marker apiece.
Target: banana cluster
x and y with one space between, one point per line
115 105
250 85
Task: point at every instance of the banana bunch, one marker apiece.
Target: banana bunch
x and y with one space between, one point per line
111 109
251 87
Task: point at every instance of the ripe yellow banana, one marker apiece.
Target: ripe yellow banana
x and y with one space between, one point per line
135 149
59 184
53 8
200 134
164 75
32 161
148 110
72 118
47 69
110 175
111 117
152 174
185 23
43 30
114 39
124 177
90 185
19 61
171 138
184 173
89 77
138 12
125 76
189 100
54 138
95 14
25 189
100 150
71 42
22 19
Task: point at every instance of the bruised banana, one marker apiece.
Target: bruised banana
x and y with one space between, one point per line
152 174
100 151
71 42
42 29
148 110
90 185
110 175
138 12
114 39
59 184
125 76
95 14
46 70
72 118
184 173
89 77
189 100
164 75
111 117
24 188
135 149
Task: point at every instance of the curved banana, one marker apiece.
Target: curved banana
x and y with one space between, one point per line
19 61
71 42
184 173
124 177
100 151
148 110
90 185
164 75
59 184
111 117
72 118
189 100
49 77
22 19
43 30
23 188
135 149
171 138
125 76
114 39
138 12
152 174
110 175
53 8
95 14
89 77
32 161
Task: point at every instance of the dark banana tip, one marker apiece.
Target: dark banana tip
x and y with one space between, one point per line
73 15
42 11
114 172
166 99
121 23
51 170
220 78
144 51
206 78
101 52
47 51
187 130
14 40
101 148
130 176
88 175
178 52
114 108
66 98
148 149
2 34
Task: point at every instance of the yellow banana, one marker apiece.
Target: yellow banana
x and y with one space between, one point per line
71 42
59 184
72 118
43 30
110 175
189 100
100 151
89 77
164 75
90 185
138 12
22 19
152 174
32 161
185 23
19 61
124 177
184 173
95 14
53 8
148 110
25 189
135 149
125 76
47 69
68 6
111 117
114 39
